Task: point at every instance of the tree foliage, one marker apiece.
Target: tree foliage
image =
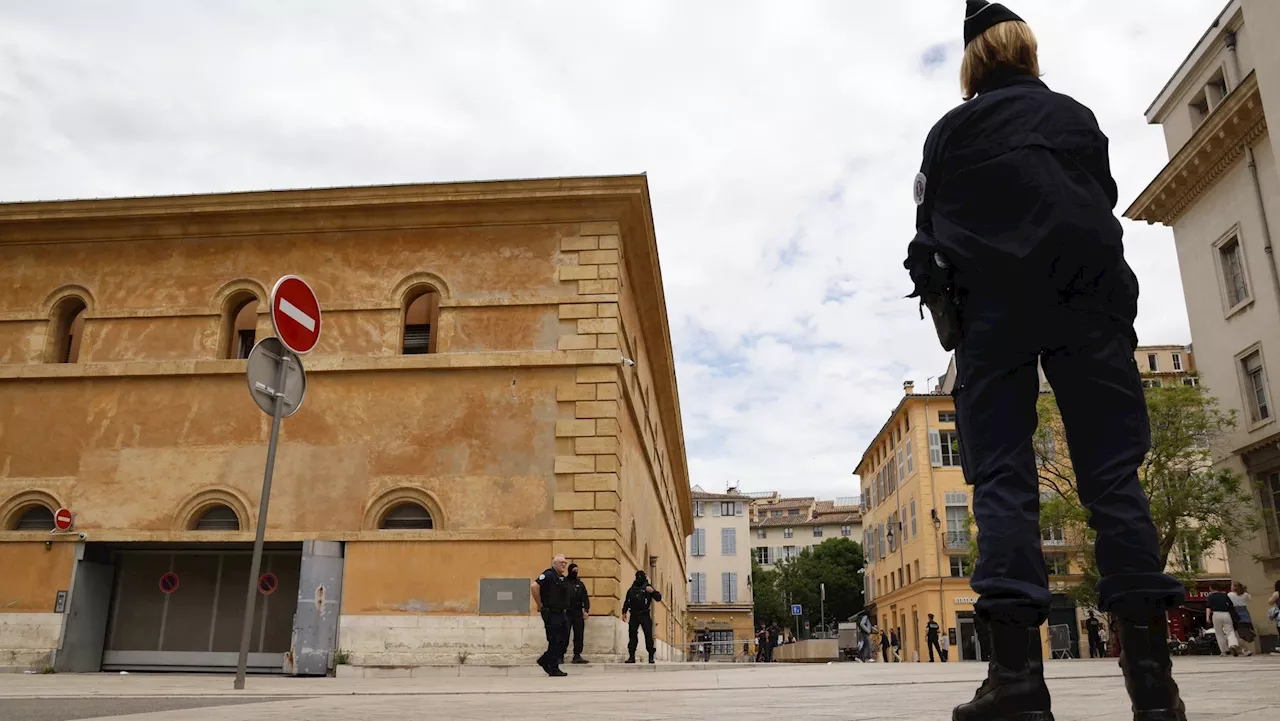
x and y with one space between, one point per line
835 562
1193 505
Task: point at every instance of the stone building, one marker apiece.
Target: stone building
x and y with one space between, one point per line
782 527
494 385
1220 193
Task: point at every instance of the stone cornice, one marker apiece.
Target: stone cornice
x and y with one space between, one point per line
1219 141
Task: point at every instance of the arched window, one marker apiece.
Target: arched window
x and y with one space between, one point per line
218 518
421 311
240 326
35 517
67 331
405 517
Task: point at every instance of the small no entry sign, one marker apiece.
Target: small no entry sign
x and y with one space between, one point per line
63 519
295 314
169 583
268 584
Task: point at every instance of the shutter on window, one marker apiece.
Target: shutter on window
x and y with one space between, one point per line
911 459
715 509
740 509
935 449
733 585
417 338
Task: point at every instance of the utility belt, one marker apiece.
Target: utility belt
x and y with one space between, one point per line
936 288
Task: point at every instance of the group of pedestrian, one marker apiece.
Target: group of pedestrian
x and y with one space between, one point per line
1227 613
768 637
564 603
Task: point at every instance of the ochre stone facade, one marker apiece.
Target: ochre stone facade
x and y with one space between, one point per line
523 433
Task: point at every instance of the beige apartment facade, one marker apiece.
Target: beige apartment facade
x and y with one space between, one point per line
1220 193
782 527
719 553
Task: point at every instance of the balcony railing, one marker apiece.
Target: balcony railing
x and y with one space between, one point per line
957 539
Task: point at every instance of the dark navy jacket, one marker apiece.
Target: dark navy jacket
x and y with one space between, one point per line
1015 191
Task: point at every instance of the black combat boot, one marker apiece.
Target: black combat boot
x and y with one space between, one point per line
1148 670
631 658
1014 689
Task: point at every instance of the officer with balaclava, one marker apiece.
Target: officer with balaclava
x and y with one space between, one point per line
637 613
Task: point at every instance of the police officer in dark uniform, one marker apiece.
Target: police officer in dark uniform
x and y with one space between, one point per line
1094 628
931 637
579 609
551 596
638 605
1018 255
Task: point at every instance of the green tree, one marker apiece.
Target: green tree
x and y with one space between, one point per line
1193 504
835 562
767 598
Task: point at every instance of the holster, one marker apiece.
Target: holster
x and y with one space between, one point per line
936 289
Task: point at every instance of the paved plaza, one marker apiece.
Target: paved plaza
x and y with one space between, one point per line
1215 690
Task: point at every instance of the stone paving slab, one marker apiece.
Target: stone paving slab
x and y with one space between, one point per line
1215 690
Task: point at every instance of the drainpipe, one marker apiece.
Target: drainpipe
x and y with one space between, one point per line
1257 185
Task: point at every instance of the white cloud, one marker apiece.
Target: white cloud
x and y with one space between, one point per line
780 140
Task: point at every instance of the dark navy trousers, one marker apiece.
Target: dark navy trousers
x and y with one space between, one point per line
1087 355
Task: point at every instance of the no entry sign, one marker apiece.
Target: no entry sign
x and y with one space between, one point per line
268 584
295 314
168 583
63 519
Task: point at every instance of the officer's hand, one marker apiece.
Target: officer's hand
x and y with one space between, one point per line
585 615
649 589
624 618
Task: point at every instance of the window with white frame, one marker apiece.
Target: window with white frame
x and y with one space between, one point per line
902 466
1254 377
1053 536
1177 361
764 555
960 567
913 517
1056 564
698 542
946 416
944 448
789 552
729 587
728 541
817 531
1235 280
728 508
787 533
762 533
1191 381
1153 362
698 588
699 508
846 531
911 459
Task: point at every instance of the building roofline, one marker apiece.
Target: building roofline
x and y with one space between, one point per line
1157 107
892 414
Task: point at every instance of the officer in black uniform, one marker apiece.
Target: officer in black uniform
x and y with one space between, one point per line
638 605
1094 628
551 596
1017 245
931 637
579 609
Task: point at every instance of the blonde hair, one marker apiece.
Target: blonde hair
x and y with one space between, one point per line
1009 45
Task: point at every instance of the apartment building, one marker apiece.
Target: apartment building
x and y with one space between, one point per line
782 527
719 562
1220 193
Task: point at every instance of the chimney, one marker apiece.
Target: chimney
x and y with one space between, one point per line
909 387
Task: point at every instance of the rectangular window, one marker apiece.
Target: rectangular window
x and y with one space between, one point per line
1234 281
765 556
698 588
699 508
817 531
893 533
902 466
787 533
1269 493
699 542
960 567
1177 361
918 576
950 446
1191 381
913 518
908 575
789 552
911 459
728 508
935 449
1255 387
846 531
728 541
761 533
1046 450
1152 364
727 591
739 509
1057 564
1053 536
946 416
793 511
776 514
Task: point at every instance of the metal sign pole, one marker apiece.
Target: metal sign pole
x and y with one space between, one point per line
284 361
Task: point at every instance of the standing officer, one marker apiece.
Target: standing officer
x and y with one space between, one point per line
1019 256
550 592
1094 627
638 604
579 609
931 638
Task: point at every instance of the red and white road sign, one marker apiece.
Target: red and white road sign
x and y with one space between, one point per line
63 519
295 314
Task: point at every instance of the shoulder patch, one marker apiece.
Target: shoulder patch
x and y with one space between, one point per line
542 576
917 188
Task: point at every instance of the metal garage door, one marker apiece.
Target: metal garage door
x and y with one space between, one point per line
197 626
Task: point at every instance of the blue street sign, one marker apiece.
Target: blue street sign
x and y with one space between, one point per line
796 610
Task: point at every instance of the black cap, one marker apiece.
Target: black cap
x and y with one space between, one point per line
640 576
980 16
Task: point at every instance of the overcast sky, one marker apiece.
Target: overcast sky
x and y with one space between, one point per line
780 141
